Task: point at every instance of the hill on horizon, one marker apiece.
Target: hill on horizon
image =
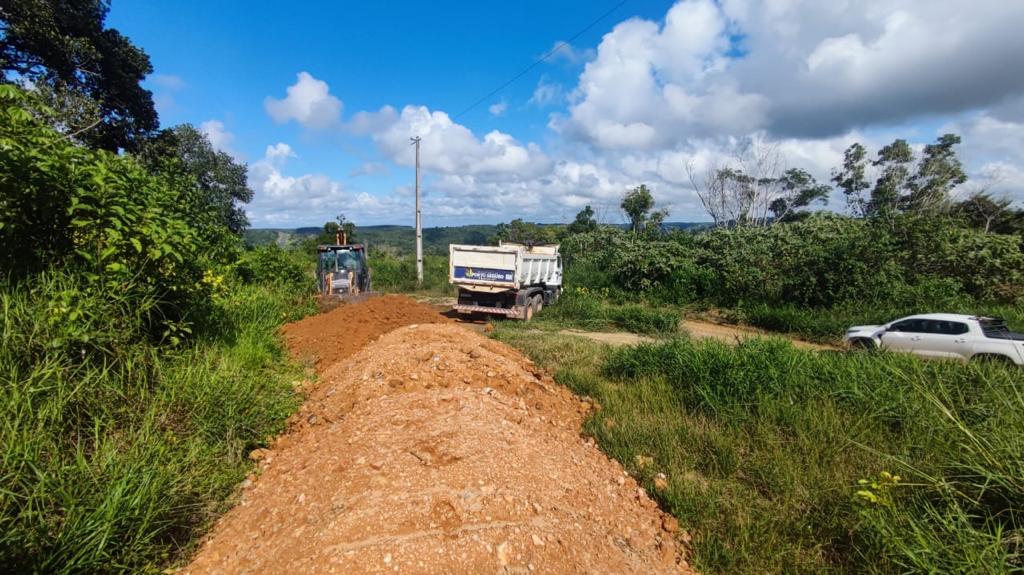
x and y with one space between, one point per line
401 238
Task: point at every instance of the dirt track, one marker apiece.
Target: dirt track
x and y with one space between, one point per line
433 449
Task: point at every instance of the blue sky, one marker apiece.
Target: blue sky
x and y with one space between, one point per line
655 88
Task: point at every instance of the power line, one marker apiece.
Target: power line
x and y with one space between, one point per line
540 60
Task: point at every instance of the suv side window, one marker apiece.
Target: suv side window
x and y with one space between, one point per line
943 327
909 325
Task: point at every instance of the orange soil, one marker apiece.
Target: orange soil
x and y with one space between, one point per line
434 450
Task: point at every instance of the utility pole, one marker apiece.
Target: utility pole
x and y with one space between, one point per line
419 224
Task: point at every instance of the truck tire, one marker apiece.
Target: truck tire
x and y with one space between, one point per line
538 303
992 358
863 343
527 314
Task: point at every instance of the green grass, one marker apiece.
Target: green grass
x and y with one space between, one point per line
397 274
584 309
764 447
114 460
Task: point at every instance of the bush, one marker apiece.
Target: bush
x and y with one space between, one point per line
271 265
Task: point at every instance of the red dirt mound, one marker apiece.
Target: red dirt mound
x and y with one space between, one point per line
341 332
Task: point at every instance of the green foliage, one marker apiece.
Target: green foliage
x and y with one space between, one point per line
528 233
115 464
584 222
588 309
810 276
638 204
102 215
64 47
398 274
212 204
764 448
272 265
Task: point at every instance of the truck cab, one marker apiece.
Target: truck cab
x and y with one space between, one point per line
341 269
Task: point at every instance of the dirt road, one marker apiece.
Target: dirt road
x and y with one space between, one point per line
428 448
730 334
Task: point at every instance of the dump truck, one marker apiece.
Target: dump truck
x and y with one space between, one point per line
342 271
511 279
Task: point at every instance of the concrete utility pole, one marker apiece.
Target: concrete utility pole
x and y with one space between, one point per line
419 224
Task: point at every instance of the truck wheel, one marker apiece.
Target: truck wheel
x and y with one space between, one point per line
527 312
863 343
992 358
538 303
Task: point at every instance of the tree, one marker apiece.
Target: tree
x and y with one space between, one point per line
221 185
852 178
63 47
528 233
894 163
584 222
799 190
740 191
348 227
989 214
938 173
638 204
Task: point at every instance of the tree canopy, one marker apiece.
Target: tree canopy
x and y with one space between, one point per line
64 48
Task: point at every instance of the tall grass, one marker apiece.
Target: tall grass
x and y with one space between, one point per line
589 309
780 460
113 457
397 274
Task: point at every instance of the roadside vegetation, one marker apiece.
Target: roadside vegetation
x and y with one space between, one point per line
779 460
139 356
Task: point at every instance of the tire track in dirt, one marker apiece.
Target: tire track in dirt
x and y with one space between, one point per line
428 448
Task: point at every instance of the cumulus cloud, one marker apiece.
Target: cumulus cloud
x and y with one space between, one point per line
218 135
282 199
309 102
658 96
451 148
796 68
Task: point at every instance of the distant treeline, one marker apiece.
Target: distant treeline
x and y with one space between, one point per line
401 239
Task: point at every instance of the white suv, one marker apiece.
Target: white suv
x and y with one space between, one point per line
945 335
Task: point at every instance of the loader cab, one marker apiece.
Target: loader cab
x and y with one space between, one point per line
342 269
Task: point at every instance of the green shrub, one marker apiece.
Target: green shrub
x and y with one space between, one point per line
391 273
115 463
272 265
639 319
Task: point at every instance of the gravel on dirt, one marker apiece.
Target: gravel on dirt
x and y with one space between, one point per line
433 449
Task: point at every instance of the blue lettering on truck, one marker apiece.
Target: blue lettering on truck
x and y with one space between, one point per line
484 274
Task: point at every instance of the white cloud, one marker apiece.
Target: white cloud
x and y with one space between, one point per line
281 199
498 108
794 68
279 153
656 96
309 102
451 148
220 138
547 93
